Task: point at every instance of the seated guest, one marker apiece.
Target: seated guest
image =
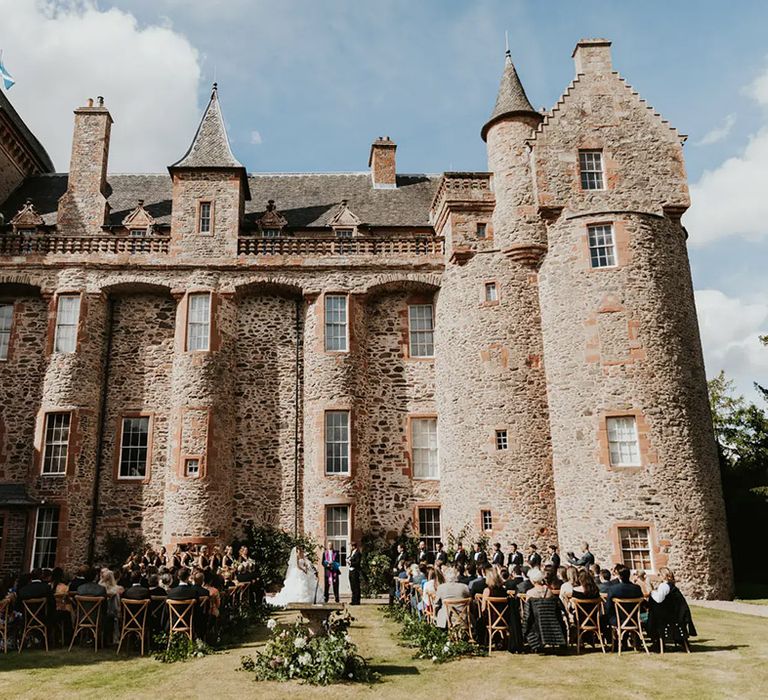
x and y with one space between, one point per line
434 580
402 572
136 591
566 589
91 587
641 579
669 617
595 571
515 578
604 585
212 584
36 588
526 584
494 587
587 588
477 585
227 582
185 590
615 573
461 575
551 579
112 612
416 577
155 589
450 589
79 578
540 588
623 589
198 581
166 582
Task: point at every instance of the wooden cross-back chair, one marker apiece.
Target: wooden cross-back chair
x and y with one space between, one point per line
404 586
628 621
586 617
496 619
428 606
34 611
241 594
5 610
135 616
457 613
88 618
181 614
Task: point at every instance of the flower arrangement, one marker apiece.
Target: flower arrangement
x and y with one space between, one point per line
294 652
180 649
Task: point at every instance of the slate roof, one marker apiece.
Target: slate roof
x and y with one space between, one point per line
15 495
44 160
306 200
210 147
511 98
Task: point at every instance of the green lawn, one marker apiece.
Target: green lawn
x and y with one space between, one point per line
729 660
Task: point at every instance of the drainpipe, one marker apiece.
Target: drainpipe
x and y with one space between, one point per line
296 423
102 431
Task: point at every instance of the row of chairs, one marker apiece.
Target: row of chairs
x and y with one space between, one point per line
137 617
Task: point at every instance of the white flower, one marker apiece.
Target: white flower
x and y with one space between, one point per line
271 624
445 648
347 637
305 658
299 642
434 658
351 675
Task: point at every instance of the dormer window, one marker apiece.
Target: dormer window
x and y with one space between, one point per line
272 222
344 222
137 232
270 233
27 231
344 232
27 220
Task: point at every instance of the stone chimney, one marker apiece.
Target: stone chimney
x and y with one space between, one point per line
83 208
592 56
382 163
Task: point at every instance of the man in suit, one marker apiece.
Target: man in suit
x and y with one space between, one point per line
400 558
604 584
515 578
422 556
515 558
331 566
185 590
554 557
479 555
136 591
91 587
460 558
79 579
37 588
441 558
622 589
534 558
586 559
498 555
355 563
477 585
155 589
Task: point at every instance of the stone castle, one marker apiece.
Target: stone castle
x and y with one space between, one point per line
512 353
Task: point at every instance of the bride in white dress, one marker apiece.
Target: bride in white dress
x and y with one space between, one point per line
301 585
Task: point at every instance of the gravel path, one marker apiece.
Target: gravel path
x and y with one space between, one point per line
733 606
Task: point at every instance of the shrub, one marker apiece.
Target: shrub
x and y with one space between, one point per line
180 649
116 547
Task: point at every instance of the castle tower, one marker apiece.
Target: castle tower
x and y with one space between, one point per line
495 467
634 458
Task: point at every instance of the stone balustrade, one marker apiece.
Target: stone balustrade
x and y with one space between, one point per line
341 246
52 244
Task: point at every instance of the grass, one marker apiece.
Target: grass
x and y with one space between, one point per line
729 660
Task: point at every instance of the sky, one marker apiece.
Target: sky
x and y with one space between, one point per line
307 85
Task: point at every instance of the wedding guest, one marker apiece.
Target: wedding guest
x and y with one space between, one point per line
569 584
136 591
604 585
587 588
494 587
112 609
539 589
534 558
155 589
554 557
461 575
441 558
623 589
228 558
422 556
498 556
515 578
185 590
450 589
551 579
595 569
355 564
666 585
515 558
79 578
479 555
641 579
92 587
586 559
460 558
331 568
477 585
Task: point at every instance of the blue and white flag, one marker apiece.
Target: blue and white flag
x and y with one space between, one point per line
8 81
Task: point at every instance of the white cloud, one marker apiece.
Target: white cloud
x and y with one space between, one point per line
255 138
731 199
62 53
719 132
730 330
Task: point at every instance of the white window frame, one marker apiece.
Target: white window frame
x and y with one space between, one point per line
36 538
421 331
623 441
424 448
336 323
339 538
491 292
591 170
187 472
6 326
430 539
501 437
336 443
486 522
123 447
601 239
64 343
198 341
201 218
56 443
630 550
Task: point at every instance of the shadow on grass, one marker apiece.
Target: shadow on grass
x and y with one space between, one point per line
59 658
391 670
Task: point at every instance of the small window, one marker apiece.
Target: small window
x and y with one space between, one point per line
602 246
502 442
429 527
482 230
487 519
6 320
198 321
271 233
138 233
337 442
56 447
491 292
27 231
46 538
636 548
421 329
343 233
424 445
134 448
335 323
67 317
622 442
204 220
591 167
192 467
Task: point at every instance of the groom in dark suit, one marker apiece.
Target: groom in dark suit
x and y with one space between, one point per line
331 565
355 563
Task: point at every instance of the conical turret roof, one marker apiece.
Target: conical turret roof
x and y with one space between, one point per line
511 98
210 147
